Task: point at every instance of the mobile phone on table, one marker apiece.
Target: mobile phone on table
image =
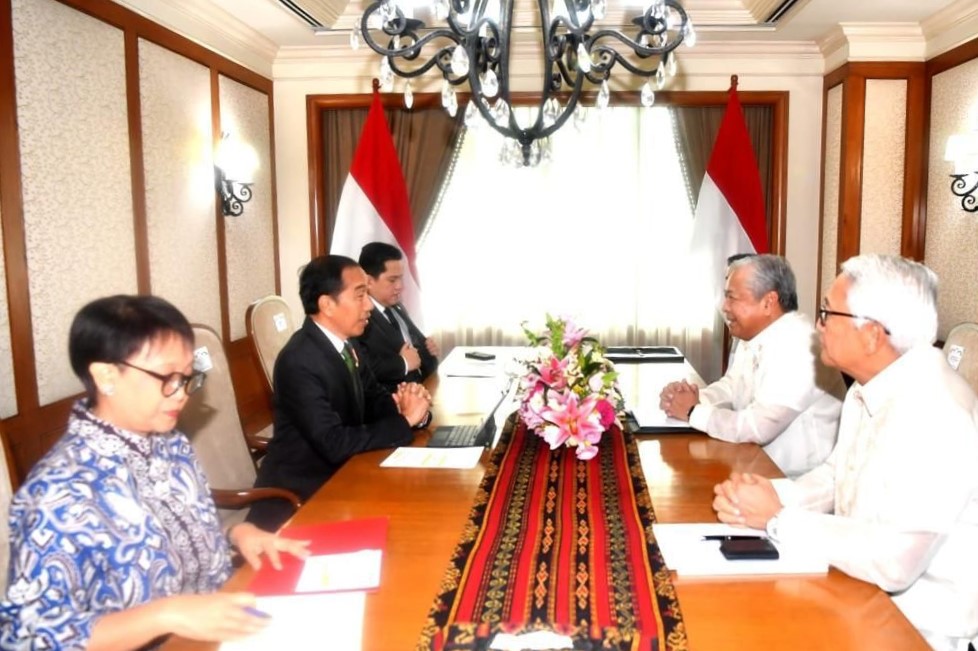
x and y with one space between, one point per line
482 357
750 549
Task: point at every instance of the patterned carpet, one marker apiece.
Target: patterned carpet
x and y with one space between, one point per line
556 544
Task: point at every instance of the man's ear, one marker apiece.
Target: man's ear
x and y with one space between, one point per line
874 338
326 304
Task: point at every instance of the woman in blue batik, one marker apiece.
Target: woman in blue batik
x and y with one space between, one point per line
115 540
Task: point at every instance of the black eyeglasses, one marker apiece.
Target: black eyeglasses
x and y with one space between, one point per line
173 382
824 312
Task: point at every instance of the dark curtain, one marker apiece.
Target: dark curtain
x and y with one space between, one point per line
424 140
696 130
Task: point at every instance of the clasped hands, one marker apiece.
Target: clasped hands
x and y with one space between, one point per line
746 499
413 402
677 398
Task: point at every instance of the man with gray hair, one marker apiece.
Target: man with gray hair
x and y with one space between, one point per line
775 392
896 503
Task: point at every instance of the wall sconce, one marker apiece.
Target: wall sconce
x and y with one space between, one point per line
234 168
962 150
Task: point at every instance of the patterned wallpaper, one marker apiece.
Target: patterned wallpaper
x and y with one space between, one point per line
830 195
8 393
178 158
951 232
250 242
883 154
74 145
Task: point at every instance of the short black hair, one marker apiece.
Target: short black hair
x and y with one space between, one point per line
375 255
322 276
114 328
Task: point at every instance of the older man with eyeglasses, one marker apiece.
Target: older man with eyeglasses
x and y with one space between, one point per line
896 503
775 392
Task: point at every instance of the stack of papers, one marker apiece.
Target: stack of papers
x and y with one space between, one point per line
321 599
687 553
458 458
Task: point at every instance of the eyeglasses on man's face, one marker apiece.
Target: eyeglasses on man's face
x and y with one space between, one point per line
173 382
824 312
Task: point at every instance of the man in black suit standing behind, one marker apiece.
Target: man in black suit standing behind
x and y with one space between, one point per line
328 406
397 351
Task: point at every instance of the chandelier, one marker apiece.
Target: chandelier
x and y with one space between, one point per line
473 42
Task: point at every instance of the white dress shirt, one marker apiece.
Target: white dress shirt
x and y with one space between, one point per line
896 504
777 394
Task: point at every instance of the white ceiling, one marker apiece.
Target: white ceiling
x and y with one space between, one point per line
807 21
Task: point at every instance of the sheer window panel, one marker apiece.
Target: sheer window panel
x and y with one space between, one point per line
599 234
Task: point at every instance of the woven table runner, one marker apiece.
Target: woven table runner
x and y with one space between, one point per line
561 545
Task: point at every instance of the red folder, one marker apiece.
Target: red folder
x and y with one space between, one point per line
324 538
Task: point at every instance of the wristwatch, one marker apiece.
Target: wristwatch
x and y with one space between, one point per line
771 528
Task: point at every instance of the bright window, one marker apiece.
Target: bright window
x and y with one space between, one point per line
599 234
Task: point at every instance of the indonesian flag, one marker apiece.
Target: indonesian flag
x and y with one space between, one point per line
374 204
729 215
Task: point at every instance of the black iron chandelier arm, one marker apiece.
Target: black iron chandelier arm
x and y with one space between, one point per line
959 187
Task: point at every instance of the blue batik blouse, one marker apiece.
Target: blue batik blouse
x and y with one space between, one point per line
107 520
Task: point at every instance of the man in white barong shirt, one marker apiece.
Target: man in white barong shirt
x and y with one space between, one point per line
776 392
896 504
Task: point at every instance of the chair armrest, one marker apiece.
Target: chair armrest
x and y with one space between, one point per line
257 443
237 499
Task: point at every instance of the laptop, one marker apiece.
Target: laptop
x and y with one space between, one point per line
468 436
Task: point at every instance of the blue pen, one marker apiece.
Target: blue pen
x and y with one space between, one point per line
257 613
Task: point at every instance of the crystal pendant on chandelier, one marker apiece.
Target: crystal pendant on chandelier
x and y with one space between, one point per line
446 93
660 76
355 37
689 36
551 109
441 9
604 96
648 95
598 8
500 112
460 62
490 83
580 117
583 59
408 94
472 115
386 76
672 66
452 107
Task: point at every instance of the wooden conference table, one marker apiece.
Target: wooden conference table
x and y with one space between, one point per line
428 508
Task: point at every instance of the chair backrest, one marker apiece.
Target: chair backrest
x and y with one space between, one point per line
211 421
6 493
270 325
961 351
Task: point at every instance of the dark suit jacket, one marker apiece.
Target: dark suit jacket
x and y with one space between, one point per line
382 342
318 425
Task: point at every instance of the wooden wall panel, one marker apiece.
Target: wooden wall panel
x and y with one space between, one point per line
35 427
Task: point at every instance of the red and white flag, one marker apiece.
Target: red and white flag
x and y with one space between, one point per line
729 215
374 204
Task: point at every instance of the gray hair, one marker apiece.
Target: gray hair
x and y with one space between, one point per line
771 274
899 294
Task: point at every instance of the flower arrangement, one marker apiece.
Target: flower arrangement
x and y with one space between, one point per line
569 394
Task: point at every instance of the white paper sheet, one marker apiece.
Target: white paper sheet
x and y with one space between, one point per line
350 571
685 551
331 621
458 458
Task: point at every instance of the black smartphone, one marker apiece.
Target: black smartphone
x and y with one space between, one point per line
752 549
482 357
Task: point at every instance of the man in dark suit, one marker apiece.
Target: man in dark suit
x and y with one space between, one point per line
328 406
396 349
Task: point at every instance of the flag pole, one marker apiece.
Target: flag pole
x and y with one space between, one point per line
733 82
376 85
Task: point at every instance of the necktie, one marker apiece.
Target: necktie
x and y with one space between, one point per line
390 316
351 365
